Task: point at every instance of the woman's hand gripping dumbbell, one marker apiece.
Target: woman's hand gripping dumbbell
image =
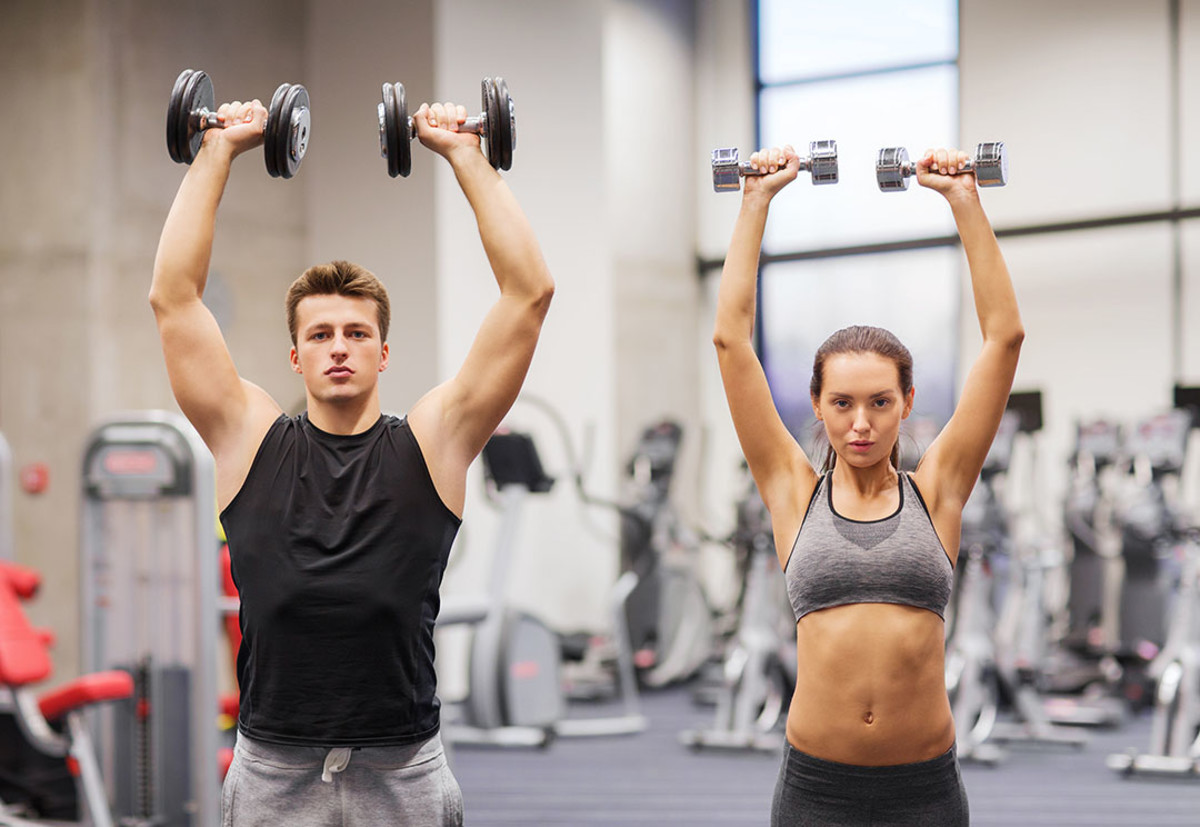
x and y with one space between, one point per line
990 165
728 171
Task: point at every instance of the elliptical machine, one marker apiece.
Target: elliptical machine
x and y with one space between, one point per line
513 696
515 672
1174 748
758 674
983 667
1120 515
669 619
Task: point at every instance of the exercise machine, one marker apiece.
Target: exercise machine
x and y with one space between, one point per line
669 619
758 673
148 582
52 722
983 667
515 672
1174 748
514 697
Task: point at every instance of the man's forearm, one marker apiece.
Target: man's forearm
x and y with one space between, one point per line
508 238
185 246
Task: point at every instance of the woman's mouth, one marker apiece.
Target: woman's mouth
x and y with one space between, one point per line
862 446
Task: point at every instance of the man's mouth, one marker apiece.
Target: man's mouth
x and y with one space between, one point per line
338 370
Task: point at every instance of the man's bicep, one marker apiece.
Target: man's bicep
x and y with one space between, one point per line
493 372
203 377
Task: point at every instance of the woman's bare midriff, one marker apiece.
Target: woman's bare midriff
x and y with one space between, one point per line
871 686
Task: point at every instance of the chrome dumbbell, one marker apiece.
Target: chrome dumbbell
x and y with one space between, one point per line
728 171
990 165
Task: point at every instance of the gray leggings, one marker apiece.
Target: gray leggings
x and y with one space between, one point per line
410 786
813 792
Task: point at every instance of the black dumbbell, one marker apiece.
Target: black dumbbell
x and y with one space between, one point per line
497 125
285 134
727 171
990 165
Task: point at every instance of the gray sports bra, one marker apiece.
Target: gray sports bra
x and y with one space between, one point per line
899 559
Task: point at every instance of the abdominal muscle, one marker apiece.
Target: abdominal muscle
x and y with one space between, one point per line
871 686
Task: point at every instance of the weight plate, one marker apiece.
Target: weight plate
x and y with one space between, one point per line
991 164
889 169
292 134
508 124
271 133
395 138
823 159
198 95
725 174
491 113
174 108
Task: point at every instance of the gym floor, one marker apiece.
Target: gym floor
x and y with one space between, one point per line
650 779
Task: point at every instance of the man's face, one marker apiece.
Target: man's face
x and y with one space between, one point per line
338 350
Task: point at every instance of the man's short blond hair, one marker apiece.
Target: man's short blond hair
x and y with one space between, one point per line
339 278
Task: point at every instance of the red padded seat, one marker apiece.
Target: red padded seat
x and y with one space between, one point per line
23 655
89 689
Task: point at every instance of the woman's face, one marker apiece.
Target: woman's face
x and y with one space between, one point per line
861 406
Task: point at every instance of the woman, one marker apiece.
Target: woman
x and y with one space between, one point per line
868 552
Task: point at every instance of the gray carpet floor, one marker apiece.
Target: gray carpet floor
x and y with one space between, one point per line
650 779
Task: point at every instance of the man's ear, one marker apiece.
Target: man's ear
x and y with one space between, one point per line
383 361
295 360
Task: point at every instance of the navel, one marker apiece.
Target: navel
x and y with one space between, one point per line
868 717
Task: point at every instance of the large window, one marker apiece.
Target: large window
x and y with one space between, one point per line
869 74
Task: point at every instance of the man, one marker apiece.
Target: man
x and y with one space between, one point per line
340 520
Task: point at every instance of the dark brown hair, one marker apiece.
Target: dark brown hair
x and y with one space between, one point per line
339 278
862 339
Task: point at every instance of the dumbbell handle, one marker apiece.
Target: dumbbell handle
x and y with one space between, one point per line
745 170
474 126
207 119
910 168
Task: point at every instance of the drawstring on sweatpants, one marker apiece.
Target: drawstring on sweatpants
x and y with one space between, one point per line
336 761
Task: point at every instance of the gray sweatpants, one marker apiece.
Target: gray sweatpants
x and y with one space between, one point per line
411 786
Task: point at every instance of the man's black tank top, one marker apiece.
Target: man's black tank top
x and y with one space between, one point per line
338 545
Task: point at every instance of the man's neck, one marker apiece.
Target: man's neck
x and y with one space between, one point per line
344 418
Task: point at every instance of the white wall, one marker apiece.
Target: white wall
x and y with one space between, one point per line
1080 92
355 210
1189 186
560 568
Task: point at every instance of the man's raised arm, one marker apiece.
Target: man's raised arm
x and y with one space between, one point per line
457 418
223 408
